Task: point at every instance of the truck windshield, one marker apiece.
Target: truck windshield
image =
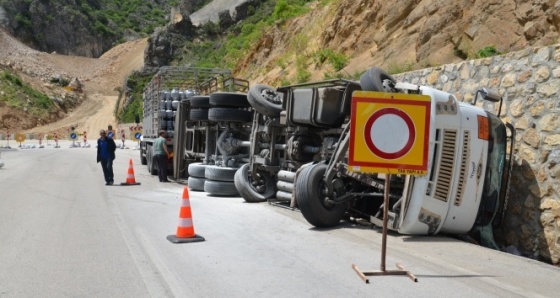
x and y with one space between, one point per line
497 142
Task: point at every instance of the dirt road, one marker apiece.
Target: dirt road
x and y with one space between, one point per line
100 78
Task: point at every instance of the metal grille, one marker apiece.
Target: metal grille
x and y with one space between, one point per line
446 164
464 168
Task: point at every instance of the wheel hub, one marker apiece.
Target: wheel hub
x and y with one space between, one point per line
272 96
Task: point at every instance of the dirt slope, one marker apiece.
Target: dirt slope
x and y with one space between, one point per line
100 79
397 36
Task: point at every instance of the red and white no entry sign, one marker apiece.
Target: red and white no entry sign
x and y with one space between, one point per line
389 133
394 123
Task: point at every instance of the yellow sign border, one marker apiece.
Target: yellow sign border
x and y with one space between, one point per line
364 105
20 138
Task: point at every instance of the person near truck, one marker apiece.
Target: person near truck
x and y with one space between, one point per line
161 154
105 155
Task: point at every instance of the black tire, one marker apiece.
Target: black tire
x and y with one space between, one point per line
198 115
229 99
229 114
265 100
196 184
254 192
153 167
372 80
220 173
220 188
200 102
150 161
197 169
310 199
143 159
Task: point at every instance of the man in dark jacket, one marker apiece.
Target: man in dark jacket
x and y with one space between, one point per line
106 154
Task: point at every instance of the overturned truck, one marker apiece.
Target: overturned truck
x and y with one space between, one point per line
177 100
299 154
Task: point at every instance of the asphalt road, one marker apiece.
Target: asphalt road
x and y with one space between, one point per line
65 234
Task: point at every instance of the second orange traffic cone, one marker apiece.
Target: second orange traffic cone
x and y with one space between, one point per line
185 229
130 176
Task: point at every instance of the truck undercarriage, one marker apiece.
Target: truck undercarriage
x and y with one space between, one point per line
299 154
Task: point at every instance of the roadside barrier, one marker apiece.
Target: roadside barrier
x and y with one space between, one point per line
185 229
130 176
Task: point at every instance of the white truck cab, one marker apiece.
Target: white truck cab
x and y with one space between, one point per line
467 154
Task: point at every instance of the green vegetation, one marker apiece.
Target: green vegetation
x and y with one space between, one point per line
395 68
287 9
133 105
337 60
226 48
18 94
302 74
488 52
23 20
108 18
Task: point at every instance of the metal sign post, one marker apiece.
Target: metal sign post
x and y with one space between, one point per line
73 137
382 270
404 117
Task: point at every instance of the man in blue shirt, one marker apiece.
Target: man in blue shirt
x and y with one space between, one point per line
106 154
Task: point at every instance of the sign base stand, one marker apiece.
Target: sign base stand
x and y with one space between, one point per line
363 274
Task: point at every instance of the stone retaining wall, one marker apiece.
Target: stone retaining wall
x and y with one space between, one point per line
529 80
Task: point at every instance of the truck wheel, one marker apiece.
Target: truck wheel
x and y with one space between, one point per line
373 78
196 184
311 200
220 188
152 166
143 159
254 191
229 99
265 100
229 114
197 169
220 173
198 115
198 102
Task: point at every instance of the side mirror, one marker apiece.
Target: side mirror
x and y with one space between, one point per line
490 94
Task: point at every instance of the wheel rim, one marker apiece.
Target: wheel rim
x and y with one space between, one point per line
259 185
254 190
323 195
271 96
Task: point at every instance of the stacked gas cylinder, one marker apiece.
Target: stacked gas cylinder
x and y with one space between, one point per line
169 101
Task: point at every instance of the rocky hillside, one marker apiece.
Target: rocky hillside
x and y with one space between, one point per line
86 28
400 35
333 38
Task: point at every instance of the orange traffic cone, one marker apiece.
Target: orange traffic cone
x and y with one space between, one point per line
130 177
185 229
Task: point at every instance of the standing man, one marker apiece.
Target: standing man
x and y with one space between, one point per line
161 155
106 154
